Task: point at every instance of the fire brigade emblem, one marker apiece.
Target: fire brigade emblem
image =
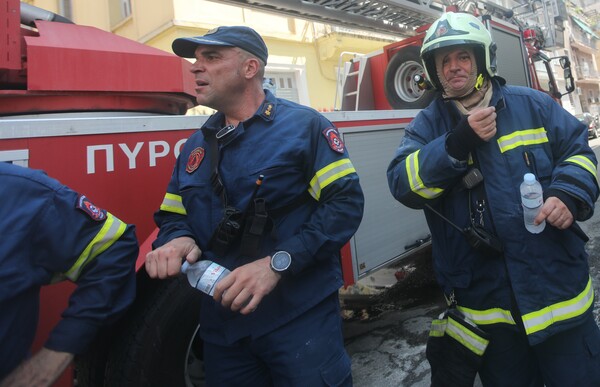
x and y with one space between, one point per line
194 160
85 205
334 139
441 30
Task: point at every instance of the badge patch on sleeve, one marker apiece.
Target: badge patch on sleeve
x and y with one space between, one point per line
96 213
194 160
334 139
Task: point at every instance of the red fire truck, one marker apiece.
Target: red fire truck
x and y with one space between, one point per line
392 78
104 115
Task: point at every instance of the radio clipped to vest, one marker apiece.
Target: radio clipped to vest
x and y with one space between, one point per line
480 239
237 227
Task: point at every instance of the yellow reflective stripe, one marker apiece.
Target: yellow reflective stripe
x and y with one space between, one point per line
467 338
173 203
522 138
541 319
328 175
438 327
416 184
584 163
489 316
110 232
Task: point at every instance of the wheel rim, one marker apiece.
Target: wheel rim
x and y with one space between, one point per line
194 365
404 81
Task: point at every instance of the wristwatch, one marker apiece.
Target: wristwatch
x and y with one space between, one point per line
281 261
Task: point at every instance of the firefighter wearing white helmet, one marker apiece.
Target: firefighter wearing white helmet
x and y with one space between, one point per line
528 296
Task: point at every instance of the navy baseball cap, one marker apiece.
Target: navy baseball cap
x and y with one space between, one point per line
235 36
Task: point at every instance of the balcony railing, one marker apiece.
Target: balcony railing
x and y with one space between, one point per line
583 39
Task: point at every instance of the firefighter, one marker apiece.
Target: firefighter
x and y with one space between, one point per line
49 234
462 160
275 320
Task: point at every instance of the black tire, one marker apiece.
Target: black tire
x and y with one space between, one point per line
90 366
158 345
401 90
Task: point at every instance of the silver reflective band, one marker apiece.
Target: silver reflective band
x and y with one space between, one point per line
225 131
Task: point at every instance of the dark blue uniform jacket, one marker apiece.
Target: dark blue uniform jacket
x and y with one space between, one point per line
547 272
312 194
51 233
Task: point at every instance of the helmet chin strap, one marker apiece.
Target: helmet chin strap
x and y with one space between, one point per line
479 96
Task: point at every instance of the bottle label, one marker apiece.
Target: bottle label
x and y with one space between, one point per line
532 200
210 277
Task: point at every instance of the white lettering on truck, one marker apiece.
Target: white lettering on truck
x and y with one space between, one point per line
131 155
156 150
91 162
154 154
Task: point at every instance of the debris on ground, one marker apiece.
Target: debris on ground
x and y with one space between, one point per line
412 282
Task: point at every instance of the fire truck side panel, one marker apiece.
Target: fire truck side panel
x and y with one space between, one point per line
389 230
126 173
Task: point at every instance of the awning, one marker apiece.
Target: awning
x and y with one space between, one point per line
583 25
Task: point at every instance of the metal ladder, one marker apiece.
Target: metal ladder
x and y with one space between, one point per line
357 93
384 16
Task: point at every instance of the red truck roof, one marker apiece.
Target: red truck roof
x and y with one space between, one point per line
69 67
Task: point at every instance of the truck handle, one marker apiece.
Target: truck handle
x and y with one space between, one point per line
418 242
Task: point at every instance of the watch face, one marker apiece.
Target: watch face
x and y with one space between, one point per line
281 260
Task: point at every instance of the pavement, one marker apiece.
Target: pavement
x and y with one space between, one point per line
387 320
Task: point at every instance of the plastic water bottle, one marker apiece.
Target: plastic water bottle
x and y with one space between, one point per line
532 200
204 275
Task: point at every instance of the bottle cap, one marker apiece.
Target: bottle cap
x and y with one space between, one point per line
529 178
185 266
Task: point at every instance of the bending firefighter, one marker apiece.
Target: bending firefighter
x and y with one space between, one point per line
462 160
51 234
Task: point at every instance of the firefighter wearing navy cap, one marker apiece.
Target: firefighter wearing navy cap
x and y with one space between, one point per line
49 234
532 295
275 320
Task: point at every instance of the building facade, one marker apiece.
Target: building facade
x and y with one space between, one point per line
583 40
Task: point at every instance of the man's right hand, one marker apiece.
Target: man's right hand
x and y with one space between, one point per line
483 122
165 261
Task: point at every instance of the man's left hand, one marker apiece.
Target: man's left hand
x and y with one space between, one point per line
556 213
244 288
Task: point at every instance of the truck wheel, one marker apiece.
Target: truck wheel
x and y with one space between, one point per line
401 90
159 343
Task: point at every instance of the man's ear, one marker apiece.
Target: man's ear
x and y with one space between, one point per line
251 67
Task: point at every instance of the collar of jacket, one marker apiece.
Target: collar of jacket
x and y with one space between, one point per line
266 111
498 95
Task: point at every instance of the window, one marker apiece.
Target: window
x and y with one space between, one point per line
18 157
285 85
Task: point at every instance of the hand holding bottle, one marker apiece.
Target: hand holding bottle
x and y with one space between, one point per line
165 261
204 275
532 200
243 290
556 213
